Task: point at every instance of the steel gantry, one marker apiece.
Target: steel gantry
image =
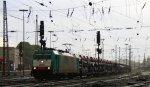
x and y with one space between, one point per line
5 40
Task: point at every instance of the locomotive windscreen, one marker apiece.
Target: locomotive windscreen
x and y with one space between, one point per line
42 56
42 60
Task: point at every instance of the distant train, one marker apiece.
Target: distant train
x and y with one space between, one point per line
49 64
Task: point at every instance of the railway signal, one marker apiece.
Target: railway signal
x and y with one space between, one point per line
43 42
98 37
42 29
98 49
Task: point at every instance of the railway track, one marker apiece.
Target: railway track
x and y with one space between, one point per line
30 81
15 81
139 84
142 80
76 82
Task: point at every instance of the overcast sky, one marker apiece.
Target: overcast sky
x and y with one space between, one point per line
112 18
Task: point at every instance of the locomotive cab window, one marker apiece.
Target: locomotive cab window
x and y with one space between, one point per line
41 56
42 60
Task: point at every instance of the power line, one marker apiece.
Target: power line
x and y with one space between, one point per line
67 8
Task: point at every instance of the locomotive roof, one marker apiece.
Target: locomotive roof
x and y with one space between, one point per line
55 52
64 53
42 51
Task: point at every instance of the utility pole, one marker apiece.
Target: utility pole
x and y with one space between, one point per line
112 53
126 53
130 58
144 62
95 50
5 40
139 62
36 32
23 10
102 48
134 63
50 37
119 55
116 53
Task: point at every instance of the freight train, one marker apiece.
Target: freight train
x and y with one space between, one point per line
51 63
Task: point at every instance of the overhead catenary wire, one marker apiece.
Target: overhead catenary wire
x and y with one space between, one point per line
30 8
60 12
43 10
64 13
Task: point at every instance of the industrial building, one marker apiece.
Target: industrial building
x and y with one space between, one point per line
14 59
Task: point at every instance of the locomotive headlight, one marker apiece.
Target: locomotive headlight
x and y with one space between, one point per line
34 67
48 68
42 61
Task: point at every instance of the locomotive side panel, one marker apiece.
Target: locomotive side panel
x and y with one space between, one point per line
68 64
54 63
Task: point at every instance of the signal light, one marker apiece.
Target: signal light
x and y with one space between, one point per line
42 61
48 68
41 28
34 67
99 51
98 37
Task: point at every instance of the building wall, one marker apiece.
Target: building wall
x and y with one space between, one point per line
13 57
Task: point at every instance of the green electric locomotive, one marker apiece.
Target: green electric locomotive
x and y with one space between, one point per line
48 64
